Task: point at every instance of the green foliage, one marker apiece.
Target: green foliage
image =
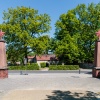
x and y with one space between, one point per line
63 67
88 27
13 54
43 65
23 27
75 33
31 54
16 67
33 66
41 45
67 49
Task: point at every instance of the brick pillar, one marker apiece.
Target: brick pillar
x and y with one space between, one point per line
96 69
3 60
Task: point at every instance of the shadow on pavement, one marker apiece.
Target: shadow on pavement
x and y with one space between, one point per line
67 95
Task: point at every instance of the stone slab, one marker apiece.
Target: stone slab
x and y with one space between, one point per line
97 54
3 60
96 71
3 73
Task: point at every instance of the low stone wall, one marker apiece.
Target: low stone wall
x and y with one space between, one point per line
86 65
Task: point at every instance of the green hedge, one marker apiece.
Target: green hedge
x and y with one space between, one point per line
43 65
63 67
15 67
33 66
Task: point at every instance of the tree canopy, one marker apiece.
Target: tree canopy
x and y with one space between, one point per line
24 28
74 35
75 32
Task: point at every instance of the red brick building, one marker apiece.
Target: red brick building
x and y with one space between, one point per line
51 59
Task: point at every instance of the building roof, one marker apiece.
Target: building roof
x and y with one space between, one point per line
44 57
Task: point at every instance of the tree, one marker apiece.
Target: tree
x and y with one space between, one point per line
89 23
41 45
14 55
23 27
80 23
66 36
67 49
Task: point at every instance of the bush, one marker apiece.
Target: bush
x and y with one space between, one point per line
43 65
63 67
33 66
16 67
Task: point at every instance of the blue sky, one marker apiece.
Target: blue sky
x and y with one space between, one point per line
54 8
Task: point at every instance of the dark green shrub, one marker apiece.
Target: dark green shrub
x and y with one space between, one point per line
16 67
43 65
63 67
33 66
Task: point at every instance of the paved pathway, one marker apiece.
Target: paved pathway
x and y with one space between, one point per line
49 82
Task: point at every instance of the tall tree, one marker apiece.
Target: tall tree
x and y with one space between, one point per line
89 19
23 27
80 23
66 36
